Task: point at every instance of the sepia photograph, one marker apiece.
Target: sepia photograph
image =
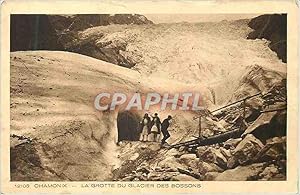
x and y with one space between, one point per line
148 97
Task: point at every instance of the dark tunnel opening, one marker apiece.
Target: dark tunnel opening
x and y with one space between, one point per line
128 126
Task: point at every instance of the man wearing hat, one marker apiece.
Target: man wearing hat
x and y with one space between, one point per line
164 129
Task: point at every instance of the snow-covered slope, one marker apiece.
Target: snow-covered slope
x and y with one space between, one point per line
53 114
52 95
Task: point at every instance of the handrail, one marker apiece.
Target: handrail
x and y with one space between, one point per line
248 97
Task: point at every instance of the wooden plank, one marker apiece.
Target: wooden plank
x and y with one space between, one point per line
236 133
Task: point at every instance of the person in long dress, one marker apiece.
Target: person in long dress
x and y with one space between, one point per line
145 126
155 127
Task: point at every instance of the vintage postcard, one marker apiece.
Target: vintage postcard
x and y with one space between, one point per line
146 96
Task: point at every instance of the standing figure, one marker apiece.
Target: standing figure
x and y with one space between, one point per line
155 126
145 126
164 129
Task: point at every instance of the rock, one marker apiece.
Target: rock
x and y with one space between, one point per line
136 176
169 169
275 32
260 123
214 156
270 123
189 160
223 123
23 28
158 169
155 146
200 151
134 156
182 149
190 172
276 140
247 149
183 177
207 132
275 149
171 163
159 176
232 162
226 153
128 178
210 176
186 157
241 173
205 167
231 143
269 172
143 170
278 177
174 152
192 149
151 137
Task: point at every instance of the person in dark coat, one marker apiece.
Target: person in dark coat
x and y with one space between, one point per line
164 129
145 125
155 126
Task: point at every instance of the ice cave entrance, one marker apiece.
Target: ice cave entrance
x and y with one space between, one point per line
128 126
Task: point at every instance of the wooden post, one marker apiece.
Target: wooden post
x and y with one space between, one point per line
244 109
200 134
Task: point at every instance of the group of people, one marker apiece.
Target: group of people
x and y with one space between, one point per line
155 127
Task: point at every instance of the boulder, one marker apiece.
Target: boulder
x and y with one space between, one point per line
143 170
269 172
160 176
192 149
270 123
232 162
231 143
187 157
275 32
134 156
205 167
33 32
183 177
128 178
171 163
189 160
210 176
241 173
247 149
278 177
226 153
182 149
263 120
190 172
275 149
207 132
213 155
174 152
200 151
170 169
